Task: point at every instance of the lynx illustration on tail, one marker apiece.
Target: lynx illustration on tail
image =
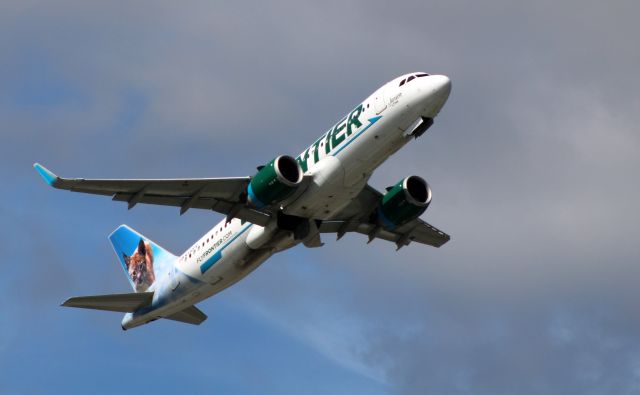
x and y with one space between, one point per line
140 266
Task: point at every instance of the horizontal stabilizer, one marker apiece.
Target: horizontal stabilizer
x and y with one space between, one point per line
190 315
126 303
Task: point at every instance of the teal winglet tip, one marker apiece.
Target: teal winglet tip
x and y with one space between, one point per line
45 173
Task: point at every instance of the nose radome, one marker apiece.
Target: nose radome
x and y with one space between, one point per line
442 85
433 92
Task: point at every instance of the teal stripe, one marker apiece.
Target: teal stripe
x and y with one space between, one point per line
218 255
210 262
254 198
371 122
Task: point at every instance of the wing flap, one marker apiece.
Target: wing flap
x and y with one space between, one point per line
219 188
416 230
191 315
125 303
425 233
237 210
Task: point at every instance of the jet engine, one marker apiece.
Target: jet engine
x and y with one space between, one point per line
404 201
274 182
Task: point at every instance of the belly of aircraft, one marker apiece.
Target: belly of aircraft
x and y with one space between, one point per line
337 180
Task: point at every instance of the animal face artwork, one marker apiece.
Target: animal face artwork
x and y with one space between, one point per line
140 266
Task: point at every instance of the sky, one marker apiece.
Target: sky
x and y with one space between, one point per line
533 164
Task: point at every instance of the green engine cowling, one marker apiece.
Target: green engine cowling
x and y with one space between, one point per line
274 182
404 201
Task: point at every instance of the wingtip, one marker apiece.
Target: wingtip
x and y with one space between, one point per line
47 175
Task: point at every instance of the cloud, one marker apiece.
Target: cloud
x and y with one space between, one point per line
532 163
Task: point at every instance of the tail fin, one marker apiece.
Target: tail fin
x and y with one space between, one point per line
142 260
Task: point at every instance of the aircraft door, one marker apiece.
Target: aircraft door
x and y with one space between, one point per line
379 101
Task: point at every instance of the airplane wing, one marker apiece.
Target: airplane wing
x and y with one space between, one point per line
222 195
356 217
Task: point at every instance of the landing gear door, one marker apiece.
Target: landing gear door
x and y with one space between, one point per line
379 102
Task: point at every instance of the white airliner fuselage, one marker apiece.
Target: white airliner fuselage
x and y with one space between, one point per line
336 169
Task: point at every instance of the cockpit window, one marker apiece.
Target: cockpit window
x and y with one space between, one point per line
413 77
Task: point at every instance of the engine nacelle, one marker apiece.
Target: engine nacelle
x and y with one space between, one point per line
403 202
274 182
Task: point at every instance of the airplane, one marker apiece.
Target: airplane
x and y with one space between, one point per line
287 202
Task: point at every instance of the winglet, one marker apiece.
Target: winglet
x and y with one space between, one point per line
46 174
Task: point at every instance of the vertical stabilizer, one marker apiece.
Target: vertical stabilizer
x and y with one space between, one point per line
142 260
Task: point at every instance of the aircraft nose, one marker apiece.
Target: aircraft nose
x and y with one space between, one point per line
441 86
433 91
